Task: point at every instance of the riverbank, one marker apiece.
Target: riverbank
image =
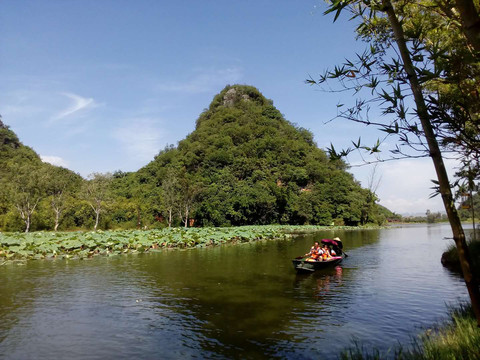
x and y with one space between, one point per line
458 338
450 258
79 245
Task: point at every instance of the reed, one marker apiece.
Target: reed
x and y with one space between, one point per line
457 338
450 257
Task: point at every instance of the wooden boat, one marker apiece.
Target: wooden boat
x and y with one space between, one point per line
303 265
306 264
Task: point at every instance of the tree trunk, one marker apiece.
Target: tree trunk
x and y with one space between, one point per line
470 21
170 217
186 216
436 155
27 223
97 216
139 222
57 219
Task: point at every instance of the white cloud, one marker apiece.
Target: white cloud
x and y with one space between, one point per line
54 160
78 104
405 185
141 138
204 81
401 205
24 107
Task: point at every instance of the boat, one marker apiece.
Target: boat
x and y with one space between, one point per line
306 264
302 264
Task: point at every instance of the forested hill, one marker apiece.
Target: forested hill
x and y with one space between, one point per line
11 147
246 164
27 184
243 164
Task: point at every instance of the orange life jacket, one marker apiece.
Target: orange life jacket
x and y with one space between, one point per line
315 252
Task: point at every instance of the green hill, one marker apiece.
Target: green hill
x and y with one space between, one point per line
13 151
27 185
244 164
13 157
247 164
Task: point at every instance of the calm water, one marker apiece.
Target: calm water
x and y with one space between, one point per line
243 301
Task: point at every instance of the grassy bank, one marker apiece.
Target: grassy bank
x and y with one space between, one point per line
49 245
458 338
450 257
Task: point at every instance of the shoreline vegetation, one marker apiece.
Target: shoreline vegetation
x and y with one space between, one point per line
456 338
81 245
450 258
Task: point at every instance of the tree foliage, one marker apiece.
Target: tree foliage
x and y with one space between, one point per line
96 192
244 164
445 64
30 187
413 60
249 165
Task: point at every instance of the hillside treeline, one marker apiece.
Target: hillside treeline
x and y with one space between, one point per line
244 164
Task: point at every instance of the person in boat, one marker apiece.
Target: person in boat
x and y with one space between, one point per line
325 253
332 252
339 248
315 251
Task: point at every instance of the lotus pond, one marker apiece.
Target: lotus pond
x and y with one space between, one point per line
50 245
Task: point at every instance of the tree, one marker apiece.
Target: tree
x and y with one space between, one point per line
189 191
131 201
392 33
170 194
96 192
371 198
251 164
28 185
470 20
61 183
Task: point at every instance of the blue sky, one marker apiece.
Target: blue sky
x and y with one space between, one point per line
100 86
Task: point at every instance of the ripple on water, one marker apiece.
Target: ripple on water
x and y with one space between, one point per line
228 302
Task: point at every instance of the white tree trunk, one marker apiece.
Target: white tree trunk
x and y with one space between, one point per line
97 216
27 223
186 216
57 219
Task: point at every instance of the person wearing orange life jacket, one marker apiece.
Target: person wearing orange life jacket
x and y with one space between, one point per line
326 253
315 252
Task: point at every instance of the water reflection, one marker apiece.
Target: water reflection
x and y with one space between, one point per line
241 301
325 282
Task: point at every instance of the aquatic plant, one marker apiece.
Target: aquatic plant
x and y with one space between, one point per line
79 244
39 245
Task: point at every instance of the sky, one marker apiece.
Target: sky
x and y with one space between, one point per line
99 86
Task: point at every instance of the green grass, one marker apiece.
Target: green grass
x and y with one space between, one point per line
459 338
450 257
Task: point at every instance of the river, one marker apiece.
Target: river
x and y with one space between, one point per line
239 301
